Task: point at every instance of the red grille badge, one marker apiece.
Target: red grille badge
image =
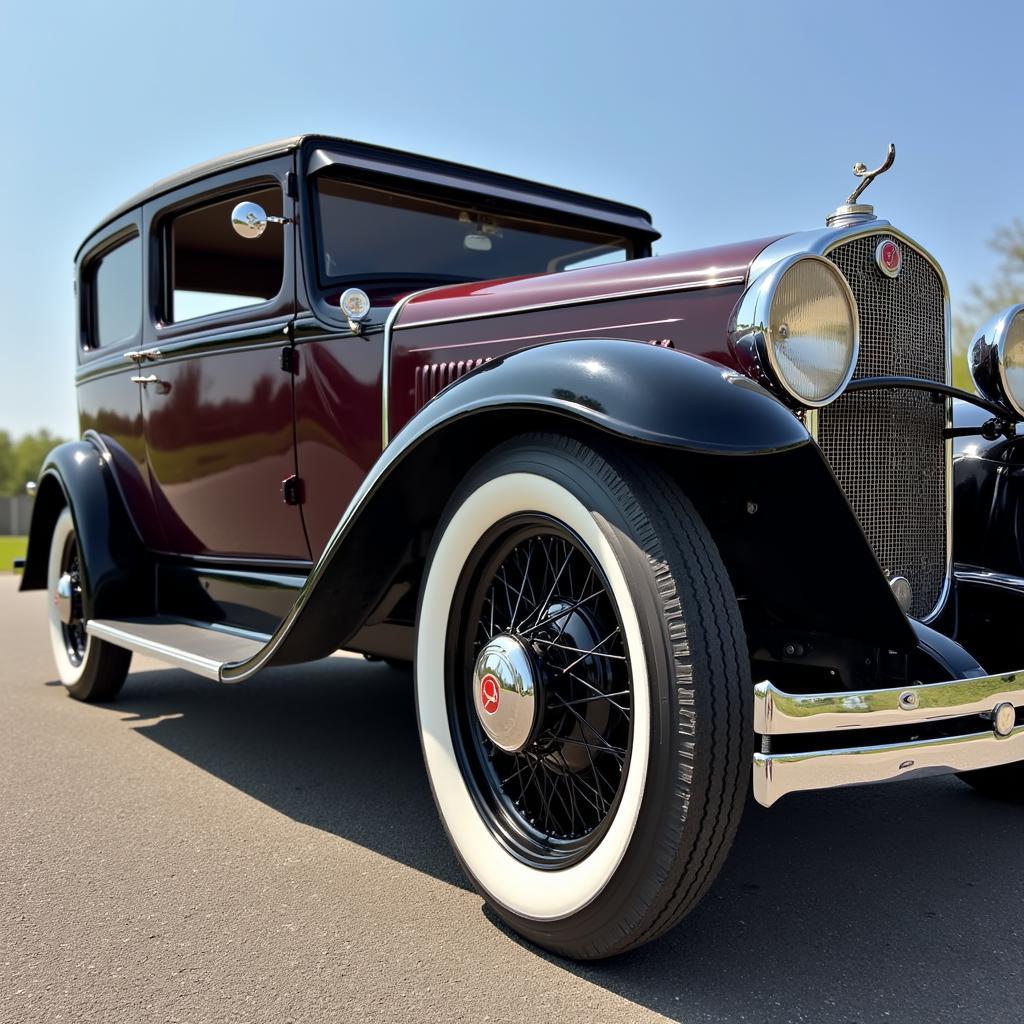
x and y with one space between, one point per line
889 258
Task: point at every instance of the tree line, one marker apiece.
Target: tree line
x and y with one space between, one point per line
20 459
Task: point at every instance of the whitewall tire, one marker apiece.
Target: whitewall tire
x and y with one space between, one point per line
90 669
565 581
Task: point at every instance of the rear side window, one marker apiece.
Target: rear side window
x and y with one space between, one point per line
115 287
211 269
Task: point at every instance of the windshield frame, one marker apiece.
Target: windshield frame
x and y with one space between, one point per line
476 202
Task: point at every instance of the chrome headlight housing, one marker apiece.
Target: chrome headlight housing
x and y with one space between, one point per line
796 330
996 359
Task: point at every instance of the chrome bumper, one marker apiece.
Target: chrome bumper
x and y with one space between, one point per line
984 716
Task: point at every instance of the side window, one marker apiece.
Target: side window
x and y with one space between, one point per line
211 269
114 282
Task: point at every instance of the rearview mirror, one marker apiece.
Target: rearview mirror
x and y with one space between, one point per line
250 220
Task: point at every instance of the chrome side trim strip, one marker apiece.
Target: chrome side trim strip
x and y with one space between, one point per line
775 775
385 372
1002 580
586 300
780 714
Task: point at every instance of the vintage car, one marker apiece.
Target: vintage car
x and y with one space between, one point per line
655 532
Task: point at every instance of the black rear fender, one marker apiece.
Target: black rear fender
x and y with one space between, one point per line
118 570
785 530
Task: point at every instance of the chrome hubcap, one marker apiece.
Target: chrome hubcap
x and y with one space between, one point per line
62 598
505 693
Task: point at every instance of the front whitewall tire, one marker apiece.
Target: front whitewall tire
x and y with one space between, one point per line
524 890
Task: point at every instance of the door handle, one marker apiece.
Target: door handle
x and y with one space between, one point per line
143 355
162 386
135 357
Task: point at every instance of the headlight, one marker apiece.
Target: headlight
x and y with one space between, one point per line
796 330
996 358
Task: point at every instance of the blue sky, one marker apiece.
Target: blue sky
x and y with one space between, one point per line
725 120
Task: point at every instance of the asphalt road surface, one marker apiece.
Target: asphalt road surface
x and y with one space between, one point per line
270 852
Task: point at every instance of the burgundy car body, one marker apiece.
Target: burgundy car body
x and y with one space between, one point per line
283 468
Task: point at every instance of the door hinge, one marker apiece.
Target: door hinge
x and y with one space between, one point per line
290 359
293 490
290 189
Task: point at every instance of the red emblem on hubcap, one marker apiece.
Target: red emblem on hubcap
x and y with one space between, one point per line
489 694
889 258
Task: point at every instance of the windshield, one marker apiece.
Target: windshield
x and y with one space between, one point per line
369 233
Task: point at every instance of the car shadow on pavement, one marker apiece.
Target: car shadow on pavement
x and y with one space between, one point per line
884 903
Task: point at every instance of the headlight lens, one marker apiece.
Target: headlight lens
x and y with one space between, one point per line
996 358
796 329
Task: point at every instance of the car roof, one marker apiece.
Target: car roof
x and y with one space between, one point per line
638 220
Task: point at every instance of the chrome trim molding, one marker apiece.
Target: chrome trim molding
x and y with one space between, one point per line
208 668
385 372
785 714
683 286
988 578
775 775
992 698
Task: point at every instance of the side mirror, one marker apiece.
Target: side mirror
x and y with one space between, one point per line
250 220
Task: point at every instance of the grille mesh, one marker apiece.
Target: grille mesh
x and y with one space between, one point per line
887 447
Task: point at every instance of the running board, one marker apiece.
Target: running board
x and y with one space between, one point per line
203 650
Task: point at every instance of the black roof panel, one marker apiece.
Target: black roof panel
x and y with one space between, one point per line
631 217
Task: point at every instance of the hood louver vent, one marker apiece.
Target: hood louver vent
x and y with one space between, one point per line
435 377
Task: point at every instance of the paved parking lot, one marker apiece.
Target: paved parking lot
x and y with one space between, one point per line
270 852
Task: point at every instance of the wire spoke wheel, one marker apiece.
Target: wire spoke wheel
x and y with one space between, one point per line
583 693
89 668
548 775
75 637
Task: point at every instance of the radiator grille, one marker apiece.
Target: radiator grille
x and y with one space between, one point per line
887 447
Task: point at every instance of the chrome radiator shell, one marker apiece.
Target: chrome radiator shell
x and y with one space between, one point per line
887 448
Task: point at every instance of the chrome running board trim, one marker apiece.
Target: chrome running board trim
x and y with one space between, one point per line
200 649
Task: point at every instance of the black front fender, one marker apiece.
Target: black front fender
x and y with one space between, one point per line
118 570
715 430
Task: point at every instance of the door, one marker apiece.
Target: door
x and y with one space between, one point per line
110 303
217 406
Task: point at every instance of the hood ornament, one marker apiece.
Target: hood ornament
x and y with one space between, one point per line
853 212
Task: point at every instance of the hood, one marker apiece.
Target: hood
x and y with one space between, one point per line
698 268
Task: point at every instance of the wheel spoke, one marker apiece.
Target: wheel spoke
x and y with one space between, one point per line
544 592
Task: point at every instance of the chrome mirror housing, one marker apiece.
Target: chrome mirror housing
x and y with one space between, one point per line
250 220
996 359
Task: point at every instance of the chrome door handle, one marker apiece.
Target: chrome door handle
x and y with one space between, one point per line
135 357
163 387
150 353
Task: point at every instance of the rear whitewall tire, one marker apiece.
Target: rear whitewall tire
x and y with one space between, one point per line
99 672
